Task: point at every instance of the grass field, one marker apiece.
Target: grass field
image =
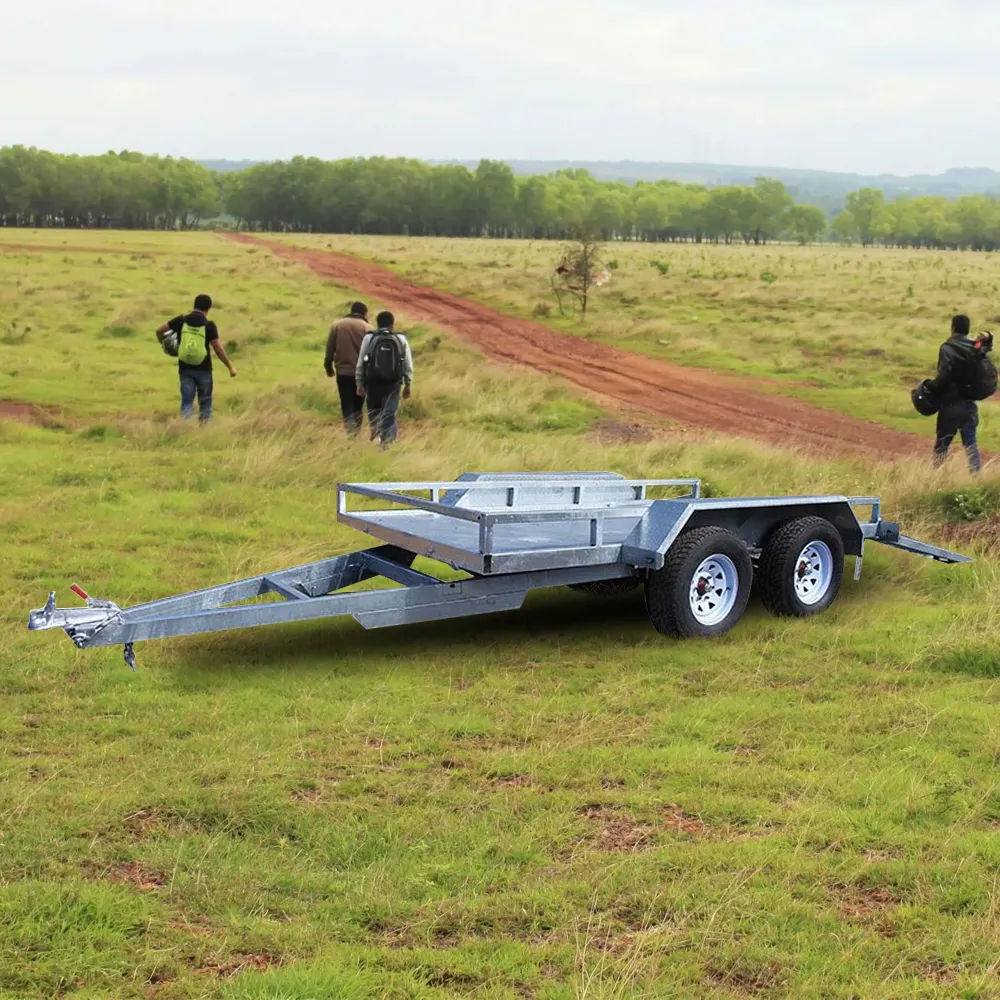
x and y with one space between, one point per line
850 328
554 803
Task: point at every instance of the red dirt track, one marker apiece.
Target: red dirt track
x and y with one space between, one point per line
703 400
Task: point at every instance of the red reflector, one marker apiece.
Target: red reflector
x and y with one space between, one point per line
78 591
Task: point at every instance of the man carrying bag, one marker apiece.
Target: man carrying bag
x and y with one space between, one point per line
385 367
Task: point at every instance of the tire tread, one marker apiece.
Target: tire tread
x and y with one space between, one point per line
665 588
775 592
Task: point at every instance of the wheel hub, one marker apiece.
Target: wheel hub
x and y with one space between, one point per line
813 573
714 589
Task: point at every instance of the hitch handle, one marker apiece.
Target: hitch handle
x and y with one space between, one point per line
80 592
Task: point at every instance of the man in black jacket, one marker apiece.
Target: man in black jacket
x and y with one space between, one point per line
957 415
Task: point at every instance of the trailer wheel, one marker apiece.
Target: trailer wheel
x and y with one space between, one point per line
704 587
608 588
801 567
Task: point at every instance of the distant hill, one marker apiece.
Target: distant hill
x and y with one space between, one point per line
816 187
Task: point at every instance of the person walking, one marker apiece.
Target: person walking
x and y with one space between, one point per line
954 388
385 366
343 348
197 337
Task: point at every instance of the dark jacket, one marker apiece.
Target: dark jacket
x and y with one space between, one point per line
954 360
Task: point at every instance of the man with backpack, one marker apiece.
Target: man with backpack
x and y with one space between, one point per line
343 348
965 375
195 336
385 365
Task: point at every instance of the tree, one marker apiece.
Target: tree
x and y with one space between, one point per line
845 226
579 269
495 196
804 223
772 204
865 206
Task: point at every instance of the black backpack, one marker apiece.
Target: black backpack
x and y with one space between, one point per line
980 380
384 361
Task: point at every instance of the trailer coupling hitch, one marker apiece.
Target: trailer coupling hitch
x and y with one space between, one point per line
80 624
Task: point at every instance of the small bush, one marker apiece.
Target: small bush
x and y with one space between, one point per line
769 277
118 331
69 479
710 489
232 347
613 264
100 432
13 337
661 265
542 309
970 504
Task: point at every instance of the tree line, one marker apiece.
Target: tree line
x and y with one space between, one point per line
124 190
971 222
409 197
395 196
382 195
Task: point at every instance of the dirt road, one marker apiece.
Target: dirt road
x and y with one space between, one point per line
696 398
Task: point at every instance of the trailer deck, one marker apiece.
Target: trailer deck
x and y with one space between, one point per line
509 534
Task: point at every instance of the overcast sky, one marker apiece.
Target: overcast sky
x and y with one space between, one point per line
876 86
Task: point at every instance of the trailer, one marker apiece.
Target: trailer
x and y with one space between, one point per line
503 535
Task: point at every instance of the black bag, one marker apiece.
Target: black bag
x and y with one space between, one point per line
384 362
981 381
923 399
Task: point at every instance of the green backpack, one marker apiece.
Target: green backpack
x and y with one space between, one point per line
191 349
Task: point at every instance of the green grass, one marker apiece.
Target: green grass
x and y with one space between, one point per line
852 329
553 803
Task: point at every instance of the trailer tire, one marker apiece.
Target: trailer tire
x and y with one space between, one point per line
801 567
608 588
683 601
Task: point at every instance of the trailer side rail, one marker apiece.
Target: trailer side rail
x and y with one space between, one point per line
575 506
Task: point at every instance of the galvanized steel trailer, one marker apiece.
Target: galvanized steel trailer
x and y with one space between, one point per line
508 534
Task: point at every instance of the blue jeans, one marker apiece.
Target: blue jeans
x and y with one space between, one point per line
383 401
958 418
196 383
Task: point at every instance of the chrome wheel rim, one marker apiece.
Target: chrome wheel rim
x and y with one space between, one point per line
713 591
813 573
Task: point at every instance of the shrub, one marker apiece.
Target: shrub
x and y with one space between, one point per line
118 331
970 504
769 277
101 432
661 265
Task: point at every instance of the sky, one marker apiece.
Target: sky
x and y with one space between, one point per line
869 87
